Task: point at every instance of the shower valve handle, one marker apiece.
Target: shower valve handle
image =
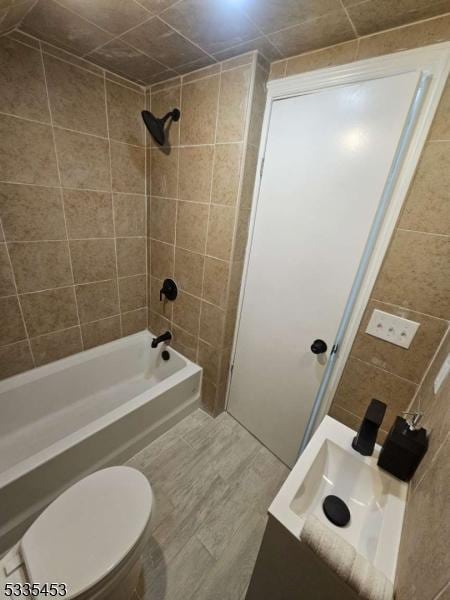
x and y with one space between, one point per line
169 290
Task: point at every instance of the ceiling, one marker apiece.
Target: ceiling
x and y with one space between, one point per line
152 40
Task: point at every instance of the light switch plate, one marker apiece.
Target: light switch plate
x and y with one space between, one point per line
392 328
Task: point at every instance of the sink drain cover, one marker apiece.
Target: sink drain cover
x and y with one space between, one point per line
336 511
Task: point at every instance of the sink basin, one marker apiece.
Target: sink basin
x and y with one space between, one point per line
376 500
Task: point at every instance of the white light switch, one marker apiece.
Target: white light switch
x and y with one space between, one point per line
392 329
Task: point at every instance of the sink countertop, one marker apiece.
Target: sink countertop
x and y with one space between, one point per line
376 500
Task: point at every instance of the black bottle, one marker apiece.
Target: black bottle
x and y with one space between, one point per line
404 448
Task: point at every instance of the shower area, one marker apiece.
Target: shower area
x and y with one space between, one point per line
107 192
201 175
96 213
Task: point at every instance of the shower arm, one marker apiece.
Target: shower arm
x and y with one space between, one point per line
166 117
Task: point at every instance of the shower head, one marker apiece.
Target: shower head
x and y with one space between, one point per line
156 126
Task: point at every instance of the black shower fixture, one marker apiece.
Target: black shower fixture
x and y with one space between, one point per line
156 126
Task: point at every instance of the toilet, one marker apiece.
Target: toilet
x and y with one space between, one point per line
90 538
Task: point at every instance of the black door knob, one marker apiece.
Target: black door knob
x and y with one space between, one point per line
318 347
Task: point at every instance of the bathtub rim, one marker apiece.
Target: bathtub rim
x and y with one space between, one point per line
78 358
24 466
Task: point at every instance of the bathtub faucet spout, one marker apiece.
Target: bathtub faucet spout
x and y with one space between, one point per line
164 337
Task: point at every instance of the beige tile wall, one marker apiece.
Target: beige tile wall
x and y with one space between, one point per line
413 282
200 199
72 206
423 571
422 33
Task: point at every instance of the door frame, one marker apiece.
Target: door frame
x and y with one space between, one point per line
433 60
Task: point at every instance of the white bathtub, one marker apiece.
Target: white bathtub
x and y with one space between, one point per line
66 419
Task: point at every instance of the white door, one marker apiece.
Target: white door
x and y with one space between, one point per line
327 158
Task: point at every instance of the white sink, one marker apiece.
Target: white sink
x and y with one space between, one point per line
376 500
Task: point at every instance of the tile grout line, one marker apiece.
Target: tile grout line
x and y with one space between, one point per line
119 38
203 145
358 417
61 192
128 45
113 36
112 205
441 235
19 295
110 75
73 285
219 89
416 486
171 320
167 7
428 369
384 370
169 84
262 34
244 142
147 241
60 127
263 37
71 189
251 53
96 70
352 25
358 40
304 22
201 298
237 208
101 70
372 298
440 594
148 201
196 201
86 239
222 260
48 333
16 295
182 328
187 39
26 13
172 82
288 59
411 24
218 65
382 31
356 54
199 541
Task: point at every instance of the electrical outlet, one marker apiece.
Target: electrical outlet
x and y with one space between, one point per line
391 328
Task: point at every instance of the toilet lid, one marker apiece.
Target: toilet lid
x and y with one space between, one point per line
86 532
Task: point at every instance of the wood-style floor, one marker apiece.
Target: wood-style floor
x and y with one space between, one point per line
213 484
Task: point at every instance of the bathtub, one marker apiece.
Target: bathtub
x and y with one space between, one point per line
64 420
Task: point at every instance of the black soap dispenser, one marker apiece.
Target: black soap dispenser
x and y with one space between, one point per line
404 447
